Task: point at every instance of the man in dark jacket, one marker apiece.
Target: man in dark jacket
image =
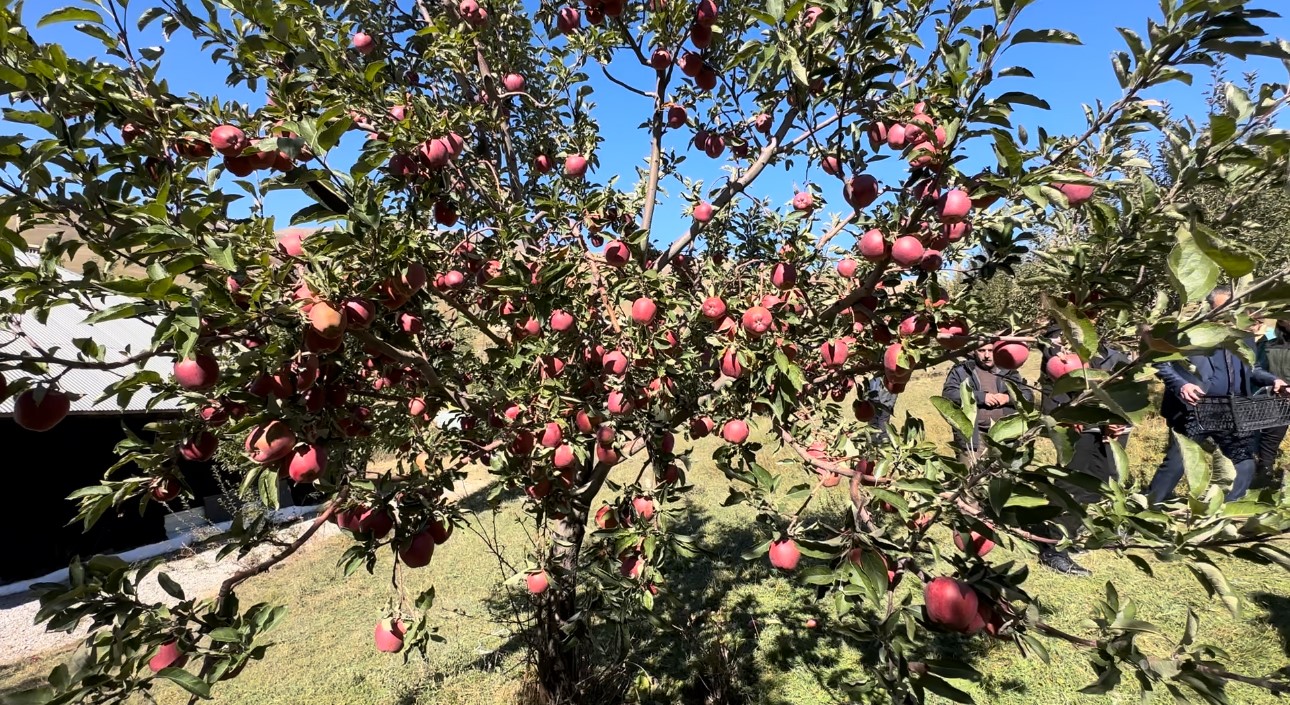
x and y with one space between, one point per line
1217 373
993 401
1273 356
1092 456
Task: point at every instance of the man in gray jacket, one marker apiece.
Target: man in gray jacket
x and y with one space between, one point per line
986 383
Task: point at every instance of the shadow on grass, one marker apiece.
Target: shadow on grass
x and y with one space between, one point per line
1278 607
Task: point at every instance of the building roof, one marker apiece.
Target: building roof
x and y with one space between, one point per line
119 339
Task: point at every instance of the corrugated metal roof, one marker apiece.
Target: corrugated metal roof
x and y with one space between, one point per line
119 340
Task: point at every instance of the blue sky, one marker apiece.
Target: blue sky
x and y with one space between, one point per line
1065 76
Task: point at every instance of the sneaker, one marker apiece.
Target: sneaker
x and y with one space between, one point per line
1062 562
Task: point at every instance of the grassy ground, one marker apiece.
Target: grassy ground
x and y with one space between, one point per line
323 651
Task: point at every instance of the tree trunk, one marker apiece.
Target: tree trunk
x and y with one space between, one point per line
560 658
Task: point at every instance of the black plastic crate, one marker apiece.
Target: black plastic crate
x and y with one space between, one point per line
1240 415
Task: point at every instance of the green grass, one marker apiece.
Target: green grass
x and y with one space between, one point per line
323 651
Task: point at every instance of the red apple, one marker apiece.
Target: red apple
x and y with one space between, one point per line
389 636
326 320
877 133
418 551
951 604
617 254
643 310
873 245
703 211
291 242
169 655
165 488
363 42
537 582
229 140
713 308
784 554
730 365
513 82
644 507
735 431
803 201
1058 365
847 267
1010 355
757 320
834 352
40 409
307 462
907 251
606 518
954 206
615 363
575 166
660 59
568 20
199 447
270 442
860 191
980 545
700 427
542 163
896 136
619 403
199 373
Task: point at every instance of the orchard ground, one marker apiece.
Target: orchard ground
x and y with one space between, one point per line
323 650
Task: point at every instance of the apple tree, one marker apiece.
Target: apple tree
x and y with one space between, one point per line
475 282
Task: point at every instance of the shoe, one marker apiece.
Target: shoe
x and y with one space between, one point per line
1062 562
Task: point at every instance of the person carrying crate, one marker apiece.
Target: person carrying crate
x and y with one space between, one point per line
1217 373
1273 356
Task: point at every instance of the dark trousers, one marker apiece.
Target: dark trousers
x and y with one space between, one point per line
1269 449
1092 457
1239 449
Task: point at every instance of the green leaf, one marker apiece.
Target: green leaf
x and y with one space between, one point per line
171 587
227 635
1076 328
944 689
1215 583
775 8
187 681
1121 460
1195 464
953 415
149 15
1017 97
1008 427
32 696
799 69
1044 36
1193 272
70 14
1221 128
1228 255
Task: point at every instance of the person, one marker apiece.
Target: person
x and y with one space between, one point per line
993 400
1273 355
1092 456
1217 373
884 403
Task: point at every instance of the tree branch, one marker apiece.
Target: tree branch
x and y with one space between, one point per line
226 588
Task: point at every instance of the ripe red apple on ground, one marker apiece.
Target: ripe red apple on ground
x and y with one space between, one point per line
418 551
784 554
979 545
1010 355
537 582
41 408
951 604
389 636
169 655
734 431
